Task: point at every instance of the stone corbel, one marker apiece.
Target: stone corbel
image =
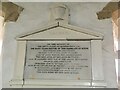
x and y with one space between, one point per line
112 10
10 11
108 10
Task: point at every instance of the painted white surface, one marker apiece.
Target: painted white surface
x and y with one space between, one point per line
1 41
82 15
97 60
20 62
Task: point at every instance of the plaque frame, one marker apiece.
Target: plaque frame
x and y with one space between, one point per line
97 60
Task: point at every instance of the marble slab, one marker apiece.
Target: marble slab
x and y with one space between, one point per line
58 60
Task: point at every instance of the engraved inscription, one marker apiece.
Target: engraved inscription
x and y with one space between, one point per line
58 60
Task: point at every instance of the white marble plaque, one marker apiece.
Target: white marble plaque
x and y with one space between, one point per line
58 60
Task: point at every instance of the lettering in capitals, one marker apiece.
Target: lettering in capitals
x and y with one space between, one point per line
62 58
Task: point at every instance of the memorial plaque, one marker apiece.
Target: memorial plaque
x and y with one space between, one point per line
58 60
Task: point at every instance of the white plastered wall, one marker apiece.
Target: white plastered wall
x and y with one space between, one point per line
1 40
82 15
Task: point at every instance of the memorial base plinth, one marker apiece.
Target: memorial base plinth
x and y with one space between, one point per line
56 84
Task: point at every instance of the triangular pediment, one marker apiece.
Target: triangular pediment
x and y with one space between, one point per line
61 31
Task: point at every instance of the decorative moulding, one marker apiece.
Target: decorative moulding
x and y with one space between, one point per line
60 30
